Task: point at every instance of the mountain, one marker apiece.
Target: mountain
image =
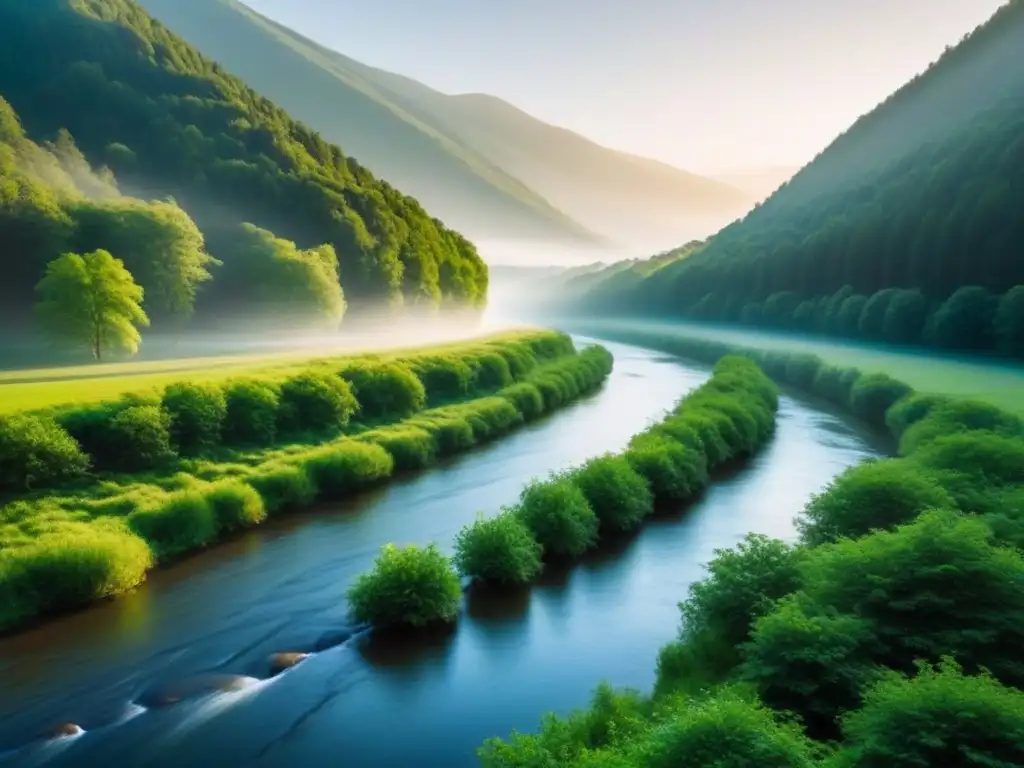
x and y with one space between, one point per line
485 166
760 183
907 228
170 123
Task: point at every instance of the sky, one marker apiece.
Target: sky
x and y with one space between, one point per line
707 85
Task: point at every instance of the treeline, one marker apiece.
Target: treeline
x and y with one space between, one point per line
169 123
878 213
86 539
667 466
887 635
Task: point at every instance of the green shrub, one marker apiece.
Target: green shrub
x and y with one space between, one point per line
136 439
801 370
491 372
410 447
251 417
618 494
235 505
407 587
444 377
184 522
500 550
315 403
877 495
990 458
554 389
959 416
726 729
68 566
739 410
834 384
674 473
675 428
385 390
284 488
910 410
873 394
519 358
743 584
940 717
197 413
716 450
526 398
36 452
550 346
346 467
450 434
557 514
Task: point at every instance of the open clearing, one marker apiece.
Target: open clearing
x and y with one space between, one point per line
992 382
40 388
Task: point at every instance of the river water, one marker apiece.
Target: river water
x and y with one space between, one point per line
365 702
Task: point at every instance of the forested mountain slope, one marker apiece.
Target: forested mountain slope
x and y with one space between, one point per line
475 159
169 122
919 200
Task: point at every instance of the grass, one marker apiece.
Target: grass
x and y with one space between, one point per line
42 388
1001 385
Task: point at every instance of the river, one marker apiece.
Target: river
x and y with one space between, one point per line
363 703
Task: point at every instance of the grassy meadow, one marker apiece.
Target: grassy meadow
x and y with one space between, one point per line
43 388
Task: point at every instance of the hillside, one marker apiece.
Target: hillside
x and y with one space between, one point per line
486 167
918 202
170 123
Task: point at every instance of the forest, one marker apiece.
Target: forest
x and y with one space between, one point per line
906 229
247 196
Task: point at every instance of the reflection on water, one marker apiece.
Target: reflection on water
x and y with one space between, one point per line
376 700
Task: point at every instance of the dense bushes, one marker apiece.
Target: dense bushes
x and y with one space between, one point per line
901 564
175 511
148 431
618 494
34 452
501 551
407 587
557 514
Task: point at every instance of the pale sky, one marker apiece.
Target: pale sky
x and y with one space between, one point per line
708 85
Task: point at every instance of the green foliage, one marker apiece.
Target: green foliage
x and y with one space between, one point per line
674 473
985 456
938 717
410 447
185 522
315 403
69 566
500 550
491 372
872 395
235 505
134 439
37 452
526 398
284 488
557 514
742 585
197 413
877 495
339 469
618 494
410 586
251 417
952 416
299 289
725 731
444 377
93 301
385 391
167 118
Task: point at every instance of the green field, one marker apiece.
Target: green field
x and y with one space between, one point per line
41 388
1000 385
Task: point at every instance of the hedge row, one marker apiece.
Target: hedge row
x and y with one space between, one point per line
890 634
140 432
669 465
49 564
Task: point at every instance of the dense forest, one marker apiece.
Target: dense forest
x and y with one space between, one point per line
111 89
906 229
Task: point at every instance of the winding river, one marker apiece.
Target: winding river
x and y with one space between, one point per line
358 701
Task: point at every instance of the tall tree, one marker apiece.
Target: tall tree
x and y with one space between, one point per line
92 300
